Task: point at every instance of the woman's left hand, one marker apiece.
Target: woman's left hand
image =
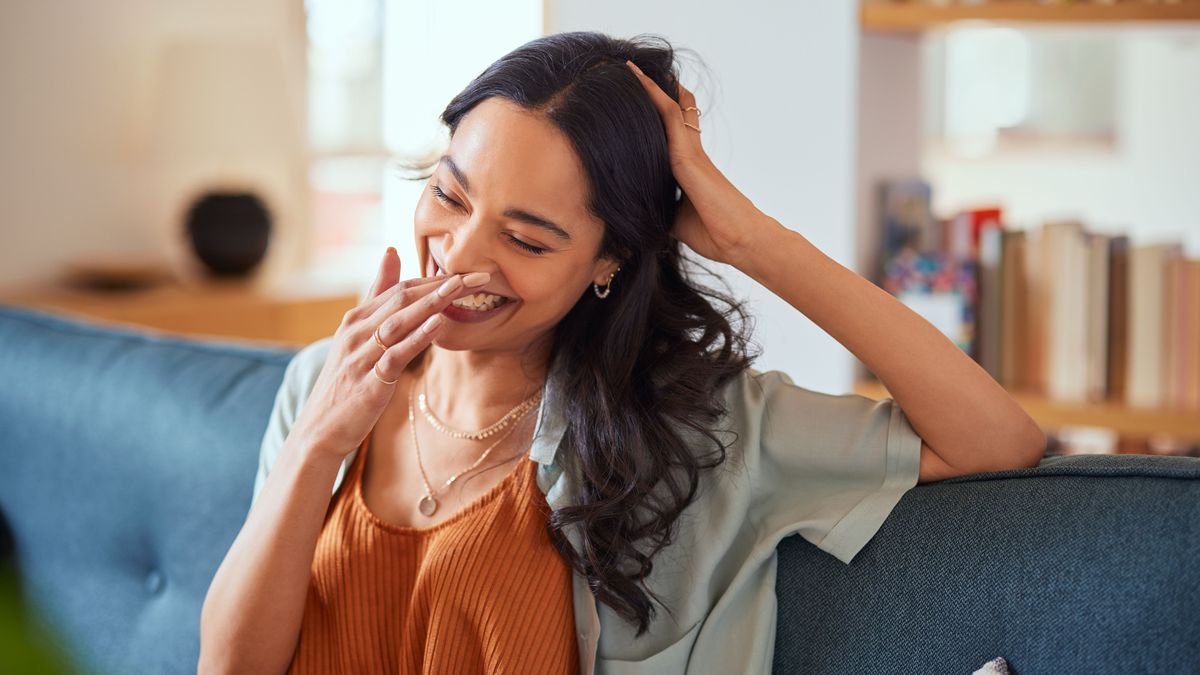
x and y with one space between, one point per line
713 217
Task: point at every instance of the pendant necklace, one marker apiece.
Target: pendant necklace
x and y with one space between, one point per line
428 504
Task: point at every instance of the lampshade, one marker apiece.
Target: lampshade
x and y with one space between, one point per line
222 99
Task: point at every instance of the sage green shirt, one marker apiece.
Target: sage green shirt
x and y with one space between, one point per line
827 467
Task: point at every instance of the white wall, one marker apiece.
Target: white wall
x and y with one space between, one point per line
78 170
1149 188
889 124
781 127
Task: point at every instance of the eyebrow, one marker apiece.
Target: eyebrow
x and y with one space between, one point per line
514 213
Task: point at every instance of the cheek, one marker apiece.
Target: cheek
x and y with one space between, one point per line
550 288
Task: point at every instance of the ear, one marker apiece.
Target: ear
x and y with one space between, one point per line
604 269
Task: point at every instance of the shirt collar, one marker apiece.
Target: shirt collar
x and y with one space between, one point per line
551 425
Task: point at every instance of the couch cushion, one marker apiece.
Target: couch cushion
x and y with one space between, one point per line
127 459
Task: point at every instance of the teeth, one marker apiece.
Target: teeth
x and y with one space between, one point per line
480 302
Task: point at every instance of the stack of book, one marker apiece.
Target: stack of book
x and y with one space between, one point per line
1055 310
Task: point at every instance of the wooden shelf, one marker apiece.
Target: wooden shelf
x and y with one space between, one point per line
916 17
1139 423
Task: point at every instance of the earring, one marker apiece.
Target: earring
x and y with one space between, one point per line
607 287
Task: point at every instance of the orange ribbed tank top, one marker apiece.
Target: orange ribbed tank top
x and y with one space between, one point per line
484 591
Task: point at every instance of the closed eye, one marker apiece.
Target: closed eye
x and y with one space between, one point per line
441 196
538 250
445 199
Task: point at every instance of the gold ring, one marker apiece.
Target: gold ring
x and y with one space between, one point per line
378 341
692 107
692 126
375 369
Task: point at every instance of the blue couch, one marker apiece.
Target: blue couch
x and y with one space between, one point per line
127 459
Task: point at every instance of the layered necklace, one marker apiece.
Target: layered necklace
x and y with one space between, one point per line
429 504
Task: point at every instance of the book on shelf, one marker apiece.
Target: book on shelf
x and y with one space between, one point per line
1183 331
1057 310
939 287
1118 316
907 220
927 264
1152 326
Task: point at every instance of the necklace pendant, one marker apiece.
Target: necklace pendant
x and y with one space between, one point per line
427 505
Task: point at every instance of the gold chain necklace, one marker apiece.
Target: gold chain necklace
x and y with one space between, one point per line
428 504
511 416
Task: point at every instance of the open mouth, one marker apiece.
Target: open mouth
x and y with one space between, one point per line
477 302
481 302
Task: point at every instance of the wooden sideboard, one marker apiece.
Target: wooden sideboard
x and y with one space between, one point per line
230 310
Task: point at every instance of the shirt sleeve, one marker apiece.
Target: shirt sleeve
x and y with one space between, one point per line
830 467
298 378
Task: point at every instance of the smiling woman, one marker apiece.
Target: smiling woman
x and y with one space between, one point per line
557 182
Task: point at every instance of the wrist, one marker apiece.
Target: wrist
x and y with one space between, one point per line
314 450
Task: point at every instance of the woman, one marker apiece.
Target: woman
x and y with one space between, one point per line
555 319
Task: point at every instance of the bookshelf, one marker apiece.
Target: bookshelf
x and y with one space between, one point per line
892 148
920 16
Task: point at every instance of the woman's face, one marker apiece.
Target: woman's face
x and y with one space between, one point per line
514 171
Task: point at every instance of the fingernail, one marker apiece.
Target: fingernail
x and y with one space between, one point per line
477 279
390 250
431 323
449 286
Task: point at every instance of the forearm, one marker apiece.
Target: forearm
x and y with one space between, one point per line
956 407
250 621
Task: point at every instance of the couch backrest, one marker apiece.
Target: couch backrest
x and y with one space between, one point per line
127 460
1084 564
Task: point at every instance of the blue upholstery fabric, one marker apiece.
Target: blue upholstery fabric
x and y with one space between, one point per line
127 461
1085 564
126 464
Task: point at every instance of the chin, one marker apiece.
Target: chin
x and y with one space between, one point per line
454 343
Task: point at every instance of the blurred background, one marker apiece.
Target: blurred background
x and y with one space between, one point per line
1022 173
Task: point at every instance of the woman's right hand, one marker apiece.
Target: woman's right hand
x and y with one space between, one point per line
347 399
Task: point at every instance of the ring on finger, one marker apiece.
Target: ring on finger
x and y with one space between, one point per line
375 369
378 341
692 107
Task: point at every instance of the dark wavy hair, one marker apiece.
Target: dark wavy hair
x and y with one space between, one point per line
644 370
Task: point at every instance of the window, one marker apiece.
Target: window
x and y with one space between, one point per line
379 74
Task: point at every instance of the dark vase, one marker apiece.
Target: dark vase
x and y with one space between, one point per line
229 232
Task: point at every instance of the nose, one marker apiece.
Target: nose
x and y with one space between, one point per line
467 249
